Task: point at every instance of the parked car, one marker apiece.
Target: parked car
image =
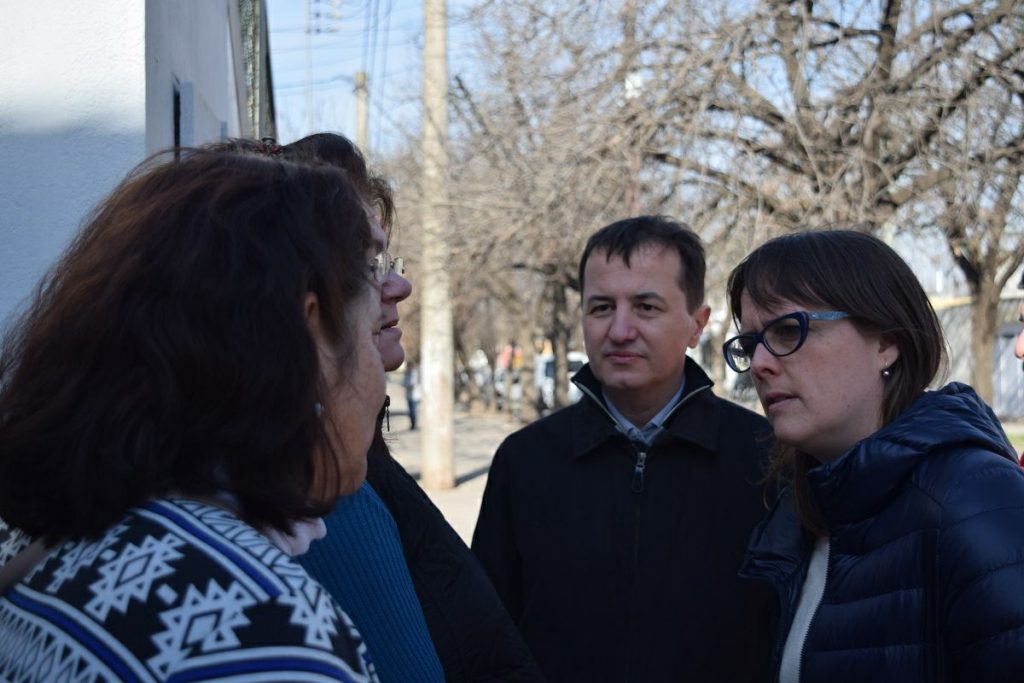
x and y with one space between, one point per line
544 377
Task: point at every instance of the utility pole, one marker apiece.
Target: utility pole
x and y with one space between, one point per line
362 141
309 69
437 366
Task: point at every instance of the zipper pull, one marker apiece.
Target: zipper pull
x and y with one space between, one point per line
638 471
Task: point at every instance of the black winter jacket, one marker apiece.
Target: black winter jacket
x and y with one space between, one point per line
925 577
475 639
620 564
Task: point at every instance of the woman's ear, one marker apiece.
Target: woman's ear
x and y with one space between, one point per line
311 308
888 352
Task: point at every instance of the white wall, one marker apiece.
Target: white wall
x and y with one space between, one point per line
72 123
188 45
86 92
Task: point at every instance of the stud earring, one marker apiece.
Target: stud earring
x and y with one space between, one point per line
318 409
886 373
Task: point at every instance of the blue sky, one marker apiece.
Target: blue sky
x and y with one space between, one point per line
382 37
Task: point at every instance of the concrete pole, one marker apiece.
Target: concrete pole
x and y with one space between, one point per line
362 141
436 355
309 69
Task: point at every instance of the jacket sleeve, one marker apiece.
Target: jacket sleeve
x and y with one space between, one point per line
981 573
472 633
494 537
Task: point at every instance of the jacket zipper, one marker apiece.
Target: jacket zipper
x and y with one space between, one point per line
638 470
810 622
814 614
640 466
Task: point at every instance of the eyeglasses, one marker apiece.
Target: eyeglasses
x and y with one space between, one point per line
384 263
781 337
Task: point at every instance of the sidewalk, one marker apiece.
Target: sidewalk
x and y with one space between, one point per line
476 438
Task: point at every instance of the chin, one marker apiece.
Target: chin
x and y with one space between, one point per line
787 437
391 355
614 375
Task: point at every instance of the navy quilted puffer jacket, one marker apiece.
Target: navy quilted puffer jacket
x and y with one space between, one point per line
925 578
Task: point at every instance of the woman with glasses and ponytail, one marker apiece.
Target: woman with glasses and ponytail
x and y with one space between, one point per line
897 546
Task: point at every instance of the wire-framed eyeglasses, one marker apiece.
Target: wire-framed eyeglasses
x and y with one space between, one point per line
383 263
781 337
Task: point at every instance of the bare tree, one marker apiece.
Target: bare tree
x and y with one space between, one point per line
744 120
767 117
801 114
980 213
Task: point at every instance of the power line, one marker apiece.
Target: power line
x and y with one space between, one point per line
340 79
384 60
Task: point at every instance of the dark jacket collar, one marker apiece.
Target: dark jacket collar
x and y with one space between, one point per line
695 419
860 482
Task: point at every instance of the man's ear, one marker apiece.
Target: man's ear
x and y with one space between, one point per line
701 317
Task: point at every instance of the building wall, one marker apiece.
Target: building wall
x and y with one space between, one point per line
189 49
86 93
72 123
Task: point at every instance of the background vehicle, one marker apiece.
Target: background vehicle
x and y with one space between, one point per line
544 377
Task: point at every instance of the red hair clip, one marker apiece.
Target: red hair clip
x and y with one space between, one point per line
270 147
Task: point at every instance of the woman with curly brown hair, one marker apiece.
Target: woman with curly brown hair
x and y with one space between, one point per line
195 383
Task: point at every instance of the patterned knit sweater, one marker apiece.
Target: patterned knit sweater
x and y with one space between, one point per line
177 591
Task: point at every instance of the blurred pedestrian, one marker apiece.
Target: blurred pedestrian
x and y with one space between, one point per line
1018 349
1019 346
411 383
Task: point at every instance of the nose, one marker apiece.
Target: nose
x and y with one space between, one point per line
395 288
1018 349
622 328
763 363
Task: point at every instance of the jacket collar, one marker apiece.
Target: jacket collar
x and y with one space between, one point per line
695 418
778 544
861 481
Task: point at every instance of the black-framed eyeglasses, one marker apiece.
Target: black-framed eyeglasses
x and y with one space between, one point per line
781 337
384 263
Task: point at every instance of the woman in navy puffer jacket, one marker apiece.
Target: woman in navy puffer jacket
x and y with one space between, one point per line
897 549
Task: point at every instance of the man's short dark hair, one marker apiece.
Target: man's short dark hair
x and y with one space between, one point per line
623 238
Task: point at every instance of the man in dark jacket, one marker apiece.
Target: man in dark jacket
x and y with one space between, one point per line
613 529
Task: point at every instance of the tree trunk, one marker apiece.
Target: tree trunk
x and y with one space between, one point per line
985 321
560 345
716 362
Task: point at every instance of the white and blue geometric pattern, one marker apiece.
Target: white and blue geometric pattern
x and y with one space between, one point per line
131 574
12 544
312 607
77 555
178 590
203 623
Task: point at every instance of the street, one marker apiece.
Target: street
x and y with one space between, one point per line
476 437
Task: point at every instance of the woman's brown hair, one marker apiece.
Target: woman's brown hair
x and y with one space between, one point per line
849 271
168 350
